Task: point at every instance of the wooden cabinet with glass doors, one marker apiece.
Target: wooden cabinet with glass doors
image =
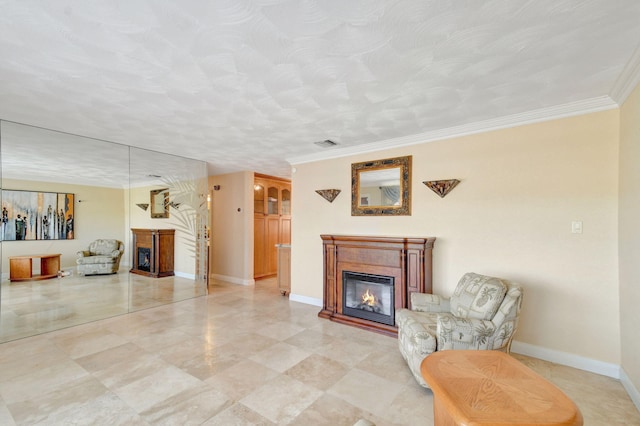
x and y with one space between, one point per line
271 221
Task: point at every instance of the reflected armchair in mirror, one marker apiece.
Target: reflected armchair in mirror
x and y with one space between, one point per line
102 257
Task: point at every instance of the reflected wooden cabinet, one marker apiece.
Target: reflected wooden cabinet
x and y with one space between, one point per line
271 222
153 252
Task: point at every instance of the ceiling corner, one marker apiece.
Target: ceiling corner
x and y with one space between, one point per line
628 79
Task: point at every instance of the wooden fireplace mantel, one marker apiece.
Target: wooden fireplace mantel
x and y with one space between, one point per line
408 260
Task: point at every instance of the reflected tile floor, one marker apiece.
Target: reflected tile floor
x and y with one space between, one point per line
33 307
239 356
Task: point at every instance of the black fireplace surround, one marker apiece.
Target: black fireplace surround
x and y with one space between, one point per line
368 296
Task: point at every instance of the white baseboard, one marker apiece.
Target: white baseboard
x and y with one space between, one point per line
184 275
305 299
232 280
564 358
633 392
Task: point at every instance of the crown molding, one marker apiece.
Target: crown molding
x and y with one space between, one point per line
535 116
628 79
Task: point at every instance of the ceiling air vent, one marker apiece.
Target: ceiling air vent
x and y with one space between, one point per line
326 143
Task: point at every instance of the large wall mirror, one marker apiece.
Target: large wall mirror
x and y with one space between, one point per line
110 184
381 187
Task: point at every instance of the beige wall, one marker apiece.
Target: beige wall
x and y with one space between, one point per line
231 251
510 216
629 249
99 213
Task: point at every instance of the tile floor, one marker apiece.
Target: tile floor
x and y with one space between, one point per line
33 307
240 356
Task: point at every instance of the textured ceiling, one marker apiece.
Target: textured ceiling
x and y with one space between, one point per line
246 85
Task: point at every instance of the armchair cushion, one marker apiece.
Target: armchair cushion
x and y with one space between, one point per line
464 333
477 296
425 302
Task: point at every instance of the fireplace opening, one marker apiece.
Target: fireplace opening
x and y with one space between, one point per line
368 297
144 259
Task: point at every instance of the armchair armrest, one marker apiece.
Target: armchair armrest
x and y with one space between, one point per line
464 333
115 253
424 302
84 253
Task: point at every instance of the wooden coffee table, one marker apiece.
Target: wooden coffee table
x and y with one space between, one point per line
484 388
21 267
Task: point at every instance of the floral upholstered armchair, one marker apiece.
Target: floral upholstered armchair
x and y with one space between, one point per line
482 313
102 257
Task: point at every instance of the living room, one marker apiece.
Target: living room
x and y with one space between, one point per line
531 106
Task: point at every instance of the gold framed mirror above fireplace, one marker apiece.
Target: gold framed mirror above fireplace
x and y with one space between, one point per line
381 187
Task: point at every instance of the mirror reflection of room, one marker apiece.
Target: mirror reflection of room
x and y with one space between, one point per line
380 187
102 189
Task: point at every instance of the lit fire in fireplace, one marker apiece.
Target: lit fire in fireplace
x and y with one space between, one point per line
370 302
368 298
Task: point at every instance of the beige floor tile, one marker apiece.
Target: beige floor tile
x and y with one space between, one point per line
329 410
387 364
238 415
274 400
107 358
243 355
318 371
347 351
366 391
40 381
241 379
193 406
208 364
155 388
59 402
280 356
6 418
89 343
280 330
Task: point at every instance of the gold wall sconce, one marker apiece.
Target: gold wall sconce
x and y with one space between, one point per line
328 194
441 187
143 206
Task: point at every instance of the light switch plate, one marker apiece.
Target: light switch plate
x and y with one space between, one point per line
576 227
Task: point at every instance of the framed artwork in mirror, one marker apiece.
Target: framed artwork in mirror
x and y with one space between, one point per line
160 203
381 187
37 215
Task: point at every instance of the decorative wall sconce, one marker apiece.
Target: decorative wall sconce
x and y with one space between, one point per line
441 187
174 205
143 206
328 194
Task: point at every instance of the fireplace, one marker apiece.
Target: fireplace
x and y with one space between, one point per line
152 252
402 264
368 296
144 259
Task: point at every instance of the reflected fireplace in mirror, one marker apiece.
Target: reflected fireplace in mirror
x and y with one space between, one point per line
368 297
144 259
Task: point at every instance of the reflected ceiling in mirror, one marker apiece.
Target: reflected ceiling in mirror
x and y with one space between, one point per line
32 153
